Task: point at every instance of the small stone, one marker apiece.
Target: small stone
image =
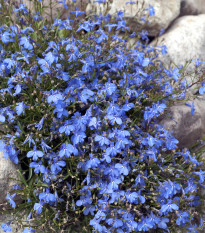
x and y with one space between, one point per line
7 169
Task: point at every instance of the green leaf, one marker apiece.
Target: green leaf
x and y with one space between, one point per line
30 173
34 36
22 179
61 33
20 127
30 183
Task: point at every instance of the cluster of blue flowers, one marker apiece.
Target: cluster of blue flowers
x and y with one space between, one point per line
80 111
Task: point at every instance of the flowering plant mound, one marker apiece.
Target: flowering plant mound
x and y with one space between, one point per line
80 114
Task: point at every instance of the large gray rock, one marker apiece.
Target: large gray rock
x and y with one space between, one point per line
165 12
185 41
187 128
7 169
192 7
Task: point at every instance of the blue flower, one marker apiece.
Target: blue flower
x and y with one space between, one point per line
89 209
115 222
9 63
94 123
56 165
25 57
10 199
110 26
78 137
26 43
77 12
123 168
175 74
44 65
132 197
201 175
30 140
192 187
6 227
92 163
145 62
44 146
50 58
17 90
2 118
38 207
85 95
55 97
47 196
162 223
130 2
29 230
40 124
35 154
38 167
5 37
103 140
22 8
113 185
68 149
95 223
169 207
20 108
183 217
202 89
145 225
192 108
99 1
153 219
151 10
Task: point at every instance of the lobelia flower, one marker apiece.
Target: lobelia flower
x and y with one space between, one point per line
35 154
2 118
202 89
169 207
192 106
38 207
38 167
29 230
201 175
30 140
24 41
183 217
56 165
47 196
10 199
40 124
22 8
6 227
144 225
20 108
77 12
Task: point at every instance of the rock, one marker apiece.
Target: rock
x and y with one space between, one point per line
7 169
165 12
192 7
187 128
185 40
